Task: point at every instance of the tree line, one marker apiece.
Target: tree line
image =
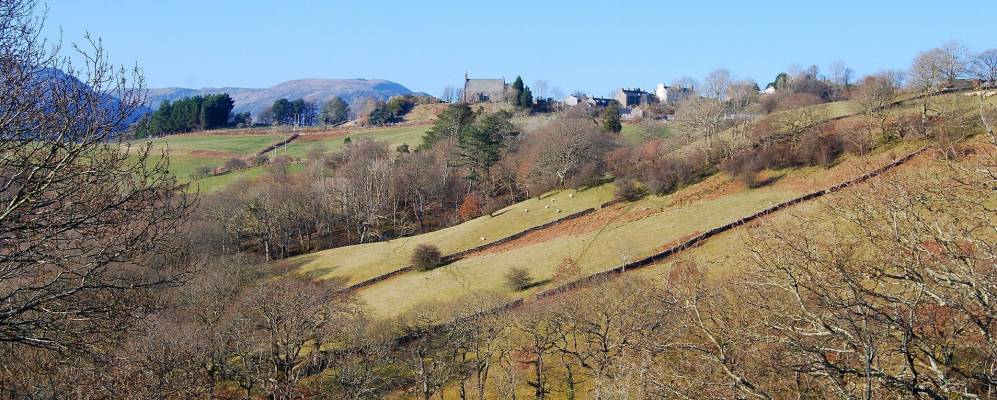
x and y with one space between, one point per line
187 115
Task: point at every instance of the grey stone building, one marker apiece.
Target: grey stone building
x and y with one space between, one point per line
485 90
634 97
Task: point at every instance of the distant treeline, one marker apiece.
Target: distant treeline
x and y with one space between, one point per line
189 114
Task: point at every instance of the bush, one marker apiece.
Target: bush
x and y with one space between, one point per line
518 279
470 208
261 159
202 172
426 257
629 190
234 164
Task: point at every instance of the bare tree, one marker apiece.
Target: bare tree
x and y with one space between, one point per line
540 89
448 94
81 219
877 94
984 69
717 85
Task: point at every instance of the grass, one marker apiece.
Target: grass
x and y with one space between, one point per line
636 134
394 136
605 239
219 182
358 263
222 145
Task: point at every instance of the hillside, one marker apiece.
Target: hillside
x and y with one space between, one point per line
597 242
255 100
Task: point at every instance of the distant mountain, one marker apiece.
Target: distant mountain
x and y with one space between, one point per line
316 90
109 102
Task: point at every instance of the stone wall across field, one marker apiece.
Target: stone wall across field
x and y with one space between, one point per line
656 258
461 254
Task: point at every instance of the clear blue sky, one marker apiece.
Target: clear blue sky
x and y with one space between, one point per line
594 46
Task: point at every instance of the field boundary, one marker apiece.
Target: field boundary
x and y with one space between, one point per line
464 253
695 241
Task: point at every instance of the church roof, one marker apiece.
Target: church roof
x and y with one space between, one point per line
484 85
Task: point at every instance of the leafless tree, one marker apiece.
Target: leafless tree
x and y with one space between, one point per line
286 320
540 89
876 94
932 70
717 85
448 94
82 219
984 69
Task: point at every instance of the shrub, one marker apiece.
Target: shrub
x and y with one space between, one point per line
202 171
629 190
518 279
426 257
567 270
261 159
234 164
470 208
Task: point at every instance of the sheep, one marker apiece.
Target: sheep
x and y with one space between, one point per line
482 238
546 207
558 211
571 195
526 210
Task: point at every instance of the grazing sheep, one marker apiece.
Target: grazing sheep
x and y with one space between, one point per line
571 195
482 238
546 206
526 210
553 200
558 211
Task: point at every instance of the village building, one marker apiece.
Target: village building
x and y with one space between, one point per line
485 90
594 102
668 94
634 97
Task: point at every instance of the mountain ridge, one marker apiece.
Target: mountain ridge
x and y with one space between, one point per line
317 90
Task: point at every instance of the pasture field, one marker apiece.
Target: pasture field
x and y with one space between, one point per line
596 242
238 145
394 136
357 263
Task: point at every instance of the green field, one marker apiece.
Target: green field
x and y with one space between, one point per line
394 136
364 261
231 145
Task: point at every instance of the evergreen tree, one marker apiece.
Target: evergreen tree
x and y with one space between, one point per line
611 121
334 111
517 90
283 112
525 99
481 144
215 110
450 123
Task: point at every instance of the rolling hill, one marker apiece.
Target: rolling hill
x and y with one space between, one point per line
255 100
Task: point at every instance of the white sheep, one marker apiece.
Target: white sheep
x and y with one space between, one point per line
558 211
571 195
526 210
482 238
546 206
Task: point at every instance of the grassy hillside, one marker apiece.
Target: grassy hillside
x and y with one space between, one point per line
597 242
394 136
358 263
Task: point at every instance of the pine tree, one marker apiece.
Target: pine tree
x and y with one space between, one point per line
611 121
450 123
517 90
525 99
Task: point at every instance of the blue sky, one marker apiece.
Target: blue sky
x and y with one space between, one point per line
593 46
